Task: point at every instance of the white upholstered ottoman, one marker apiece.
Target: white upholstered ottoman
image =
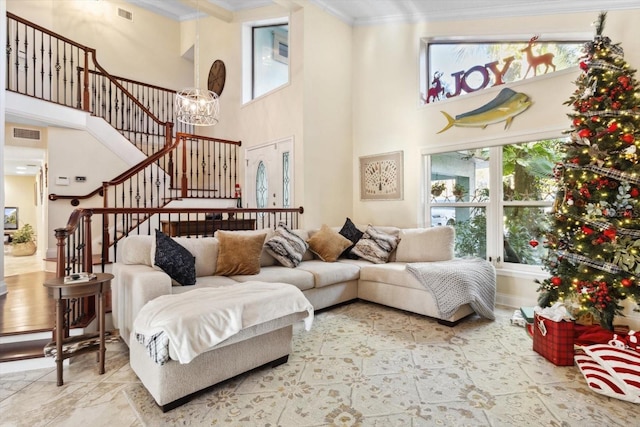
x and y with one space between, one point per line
261 342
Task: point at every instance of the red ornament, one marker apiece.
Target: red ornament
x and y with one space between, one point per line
634 192
584 66
628 138
533 243
577 121
586 230
624 81
584 133
556 281
613 127
610 233
626 283
595 119
616 105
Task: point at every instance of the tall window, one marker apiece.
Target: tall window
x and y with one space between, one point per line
265 57
506 223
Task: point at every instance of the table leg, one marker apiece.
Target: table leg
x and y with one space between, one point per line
101 331
59 338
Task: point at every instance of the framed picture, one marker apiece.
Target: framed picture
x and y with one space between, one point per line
381 176
10 218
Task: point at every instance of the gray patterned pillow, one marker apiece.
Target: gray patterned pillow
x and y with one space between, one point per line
175 260
375 245
286 246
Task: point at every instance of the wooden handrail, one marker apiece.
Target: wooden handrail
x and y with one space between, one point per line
49 32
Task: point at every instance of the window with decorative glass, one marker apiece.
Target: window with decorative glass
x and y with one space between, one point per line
452 68
504 224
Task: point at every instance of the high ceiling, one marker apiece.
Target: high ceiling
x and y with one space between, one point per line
356 12
367 12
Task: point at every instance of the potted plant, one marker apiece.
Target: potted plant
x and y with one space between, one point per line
437 188
23 241
459 191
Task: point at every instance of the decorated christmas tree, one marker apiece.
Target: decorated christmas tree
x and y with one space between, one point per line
594 240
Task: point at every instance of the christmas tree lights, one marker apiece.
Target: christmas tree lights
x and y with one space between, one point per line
594 240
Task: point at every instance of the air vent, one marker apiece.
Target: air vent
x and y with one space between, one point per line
32 134
125 14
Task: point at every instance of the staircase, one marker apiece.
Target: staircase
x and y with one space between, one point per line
175 176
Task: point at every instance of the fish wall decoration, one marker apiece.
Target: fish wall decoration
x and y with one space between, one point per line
505 106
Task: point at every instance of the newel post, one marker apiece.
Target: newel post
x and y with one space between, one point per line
61 236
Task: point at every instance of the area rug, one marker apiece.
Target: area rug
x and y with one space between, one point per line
364 364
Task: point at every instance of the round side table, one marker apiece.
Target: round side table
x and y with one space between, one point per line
65 346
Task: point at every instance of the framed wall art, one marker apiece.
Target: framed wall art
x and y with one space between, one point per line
381 176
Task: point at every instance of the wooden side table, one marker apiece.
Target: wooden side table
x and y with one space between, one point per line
61 291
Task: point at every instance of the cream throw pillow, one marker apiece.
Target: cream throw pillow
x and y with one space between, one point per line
328 244
426 244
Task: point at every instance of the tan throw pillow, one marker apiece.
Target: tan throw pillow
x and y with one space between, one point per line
328 244
426 244
239 253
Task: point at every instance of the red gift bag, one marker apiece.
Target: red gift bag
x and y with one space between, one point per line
553 340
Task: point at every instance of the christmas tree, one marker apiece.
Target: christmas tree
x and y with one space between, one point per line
594 240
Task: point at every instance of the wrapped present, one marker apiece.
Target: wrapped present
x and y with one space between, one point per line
553 339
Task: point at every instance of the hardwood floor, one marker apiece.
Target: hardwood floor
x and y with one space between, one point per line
26 307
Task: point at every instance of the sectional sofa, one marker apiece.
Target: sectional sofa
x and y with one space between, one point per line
329 265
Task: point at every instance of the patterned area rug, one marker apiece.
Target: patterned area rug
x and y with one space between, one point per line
367 365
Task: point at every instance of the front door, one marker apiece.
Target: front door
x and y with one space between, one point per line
269 175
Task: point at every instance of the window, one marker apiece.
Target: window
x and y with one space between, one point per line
266 58
453 68
509 220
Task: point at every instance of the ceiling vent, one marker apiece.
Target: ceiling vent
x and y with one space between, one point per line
32 134
122 13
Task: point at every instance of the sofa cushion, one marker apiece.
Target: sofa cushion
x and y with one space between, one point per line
392 273
175 260
136 249
286 247
375 245
426 244
301 279
239 253
353 233
326 274
206 282
328 244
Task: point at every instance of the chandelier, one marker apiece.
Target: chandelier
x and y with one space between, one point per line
193 106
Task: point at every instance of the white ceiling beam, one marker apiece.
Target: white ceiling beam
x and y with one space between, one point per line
210 9
291 5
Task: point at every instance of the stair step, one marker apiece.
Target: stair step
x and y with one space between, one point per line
22 350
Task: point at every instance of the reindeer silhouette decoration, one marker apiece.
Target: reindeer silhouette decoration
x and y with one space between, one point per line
437 89
534 61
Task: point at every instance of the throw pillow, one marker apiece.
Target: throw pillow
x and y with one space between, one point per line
351 232
286 247
239 253
328 244
175 260
426 244
375 245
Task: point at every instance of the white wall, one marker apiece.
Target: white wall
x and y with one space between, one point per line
146 49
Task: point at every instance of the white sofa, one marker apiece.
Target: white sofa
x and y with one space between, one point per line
137 281
324 284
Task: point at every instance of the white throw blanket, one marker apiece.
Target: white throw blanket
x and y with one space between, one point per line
195 321
458 282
